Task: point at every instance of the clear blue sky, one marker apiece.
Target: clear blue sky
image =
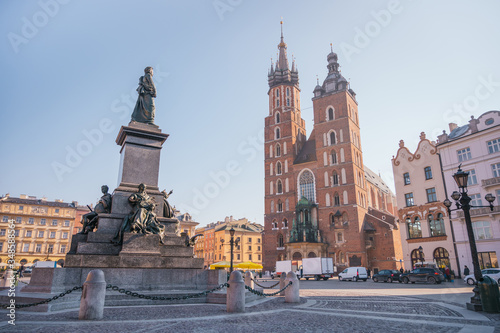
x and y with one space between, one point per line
69 68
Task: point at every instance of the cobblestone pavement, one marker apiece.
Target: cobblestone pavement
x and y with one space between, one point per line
323 308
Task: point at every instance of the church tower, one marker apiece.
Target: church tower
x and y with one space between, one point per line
285 135
341 187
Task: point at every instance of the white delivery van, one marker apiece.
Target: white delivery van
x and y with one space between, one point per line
317 268
283 266
353 274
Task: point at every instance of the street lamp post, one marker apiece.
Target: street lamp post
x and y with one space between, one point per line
232 242
421 251
462 201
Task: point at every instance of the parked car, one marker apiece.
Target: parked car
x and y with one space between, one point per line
353 274
387 275
430 275
493 273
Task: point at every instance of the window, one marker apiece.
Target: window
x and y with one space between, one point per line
279 187
43 222
65 235
54 222
2 232
28 233
406 178
278 150
21 207
250 257
288 91
472 180
277 104
414 228
436 225
340 237
259 257
40 234
431 194
335 180
249 247
62 249
16 233
1 246
5 219
66 223
442 257
493 146
26 248
333 155
52 234
306 185
258 240
57 211
280 206
277 133
488 260
409 199
336 199
428 173
19 219
38 248
31 220
281 243
238 257
278 168
50 248
496 169
278 92
330 114
498 195
288 102
285 223
464 154
258 248
332 138
277 117
482 230
476 200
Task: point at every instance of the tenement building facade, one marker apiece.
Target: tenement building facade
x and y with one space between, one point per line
320 200
475 147
43 228
426 232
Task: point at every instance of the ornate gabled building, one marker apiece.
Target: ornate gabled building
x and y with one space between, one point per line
316 197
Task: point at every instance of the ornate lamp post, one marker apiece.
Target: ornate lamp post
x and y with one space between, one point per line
232 242
462 201
421 251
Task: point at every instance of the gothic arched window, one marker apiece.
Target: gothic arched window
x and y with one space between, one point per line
330 114
332 138
279 187
306 185
278 168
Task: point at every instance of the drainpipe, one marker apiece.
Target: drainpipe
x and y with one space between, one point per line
449 218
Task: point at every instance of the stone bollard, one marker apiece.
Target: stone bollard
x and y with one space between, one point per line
292 292
248 280
235 297
93 294
7 278
282 283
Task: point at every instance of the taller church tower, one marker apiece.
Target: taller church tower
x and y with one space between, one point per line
285 136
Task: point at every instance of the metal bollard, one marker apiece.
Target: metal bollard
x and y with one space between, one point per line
7 278
292 292
235 297
94 292
248 280
282 283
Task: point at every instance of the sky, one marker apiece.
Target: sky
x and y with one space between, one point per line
70 70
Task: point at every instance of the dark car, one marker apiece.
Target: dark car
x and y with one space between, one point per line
430 275
386 275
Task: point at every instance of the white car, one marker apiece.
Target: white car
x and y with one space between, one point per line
493 273
353 274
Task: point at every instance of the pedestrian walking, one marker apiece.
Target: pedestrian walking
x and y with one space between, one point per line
466 270
368 272
447 274
21 271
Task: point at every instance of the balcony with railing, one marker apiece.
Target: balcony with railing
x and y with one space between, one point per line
490 182
480 211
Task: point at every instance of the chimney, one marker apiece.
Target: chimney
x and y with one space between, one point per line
452 126
23 196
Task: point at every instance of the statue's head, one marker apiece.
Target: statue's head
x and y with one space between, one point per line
142 187
148 70
104 188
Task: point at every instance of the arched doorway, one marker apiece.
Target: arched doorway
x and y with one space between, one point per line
442 257
24 261
311 255
297 256
60 262
416 257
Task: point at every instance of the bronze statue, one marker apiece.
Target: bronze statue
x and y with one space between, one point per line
90 220
167 209
144 111
142 219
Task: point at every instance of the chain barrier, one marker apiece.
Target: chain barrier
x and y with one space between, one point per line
20 306
256 292
271 287
163 298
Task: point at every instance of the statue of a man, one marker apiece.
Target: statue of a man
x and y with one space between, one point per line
91 219
144 111
167 209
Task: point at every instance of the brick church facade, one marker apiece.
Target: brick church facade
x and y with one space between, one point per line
320 200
